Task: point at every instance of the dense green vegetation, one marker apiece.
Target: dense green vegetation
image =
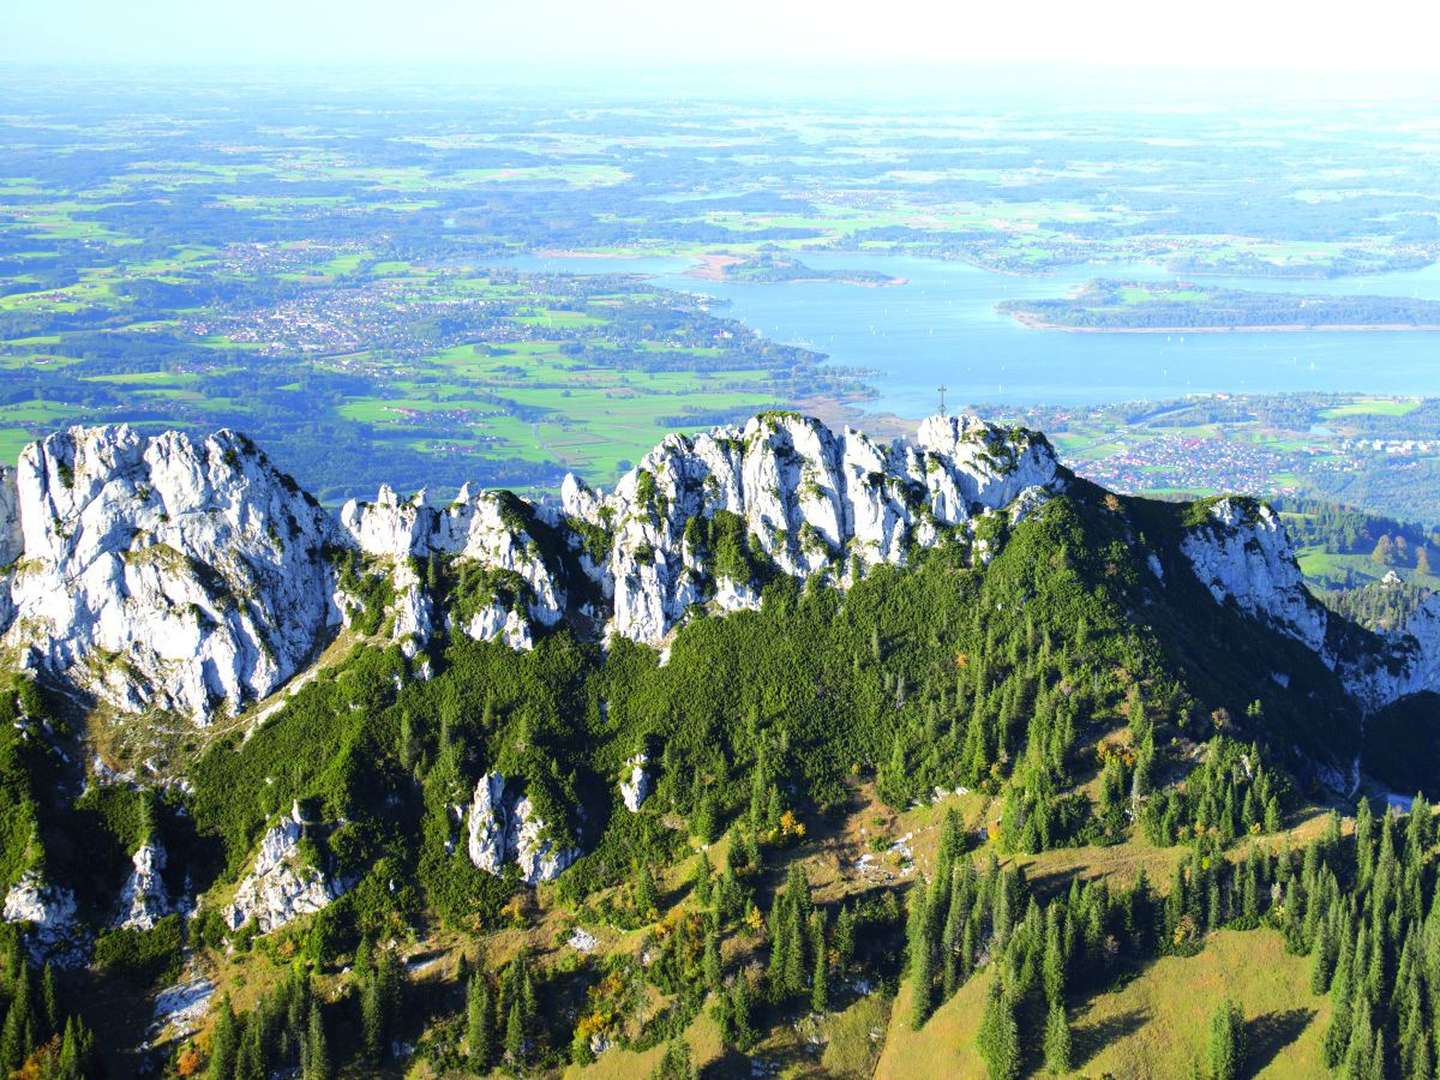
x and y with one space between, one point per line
1106 305
1088 706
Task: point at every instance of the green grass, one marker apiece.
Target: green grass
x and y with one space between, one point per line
1153 1026
1373 407
1172 1001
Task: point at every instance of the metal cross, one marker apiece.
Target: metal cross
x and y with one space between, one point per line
942 388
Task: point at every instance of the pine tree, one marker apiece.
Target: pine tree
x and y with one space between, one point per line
17 1038
1227 1042
317 1047
676 1064
224 1042
372 1020
49 1022
820 977
647 898
998 1040
479 1023
1057 1040
921 954
711 964
515 1035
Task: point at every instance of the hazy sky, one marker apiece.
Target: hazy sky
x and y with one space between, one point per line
548 35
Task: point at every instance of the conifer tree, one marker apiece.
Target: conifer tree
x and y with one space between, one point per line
224 1042
77 1051
820 976
1057 1040
676 1063
515 1034
49 1019
921 954
1226 1049
479 1022
372 1020
1364 840
18 1036
998 1040
647 898
318 1065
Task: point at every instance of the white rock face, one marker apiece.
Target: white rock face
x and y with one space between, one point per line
505 828
489 529
635 789
489 824
50 911
143 902
163 572
190 575
179 1009
808 499
280 888
1246 557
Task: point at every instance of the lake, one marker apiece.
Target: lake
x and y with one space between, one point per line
942 326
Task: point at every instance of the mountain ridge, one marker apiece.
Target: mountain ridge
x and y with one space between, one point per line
192 575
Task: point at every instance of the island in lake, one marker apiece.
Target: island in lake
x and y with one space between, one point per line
770 268
1132 307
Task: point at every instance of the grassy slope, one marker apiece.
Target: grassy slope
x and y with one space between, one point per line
1154 1026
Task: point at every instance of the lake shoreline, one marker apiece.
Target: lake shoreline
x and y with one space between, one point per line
1035 323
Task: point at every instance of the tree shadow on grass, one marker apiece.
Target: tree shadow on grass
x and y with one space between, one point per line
1089 1039
1267 1035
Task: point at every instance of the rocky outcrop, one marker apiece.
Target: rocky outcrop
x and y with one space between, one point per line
189 575
809 501
489 824
165 572
143 902
1244 555
504 827
511 586
281 886
635 788
49 912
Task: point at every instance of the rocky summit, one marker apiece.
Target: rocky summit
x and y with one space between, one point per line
191 576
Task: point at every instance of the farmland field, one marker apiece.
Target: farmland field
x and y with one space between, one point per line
484 286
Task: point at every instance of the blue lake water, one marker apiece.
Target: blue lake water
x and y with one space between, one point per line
942 326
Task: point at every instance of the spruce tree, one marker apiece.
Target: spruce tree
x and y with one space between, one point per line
372 1020
77 1051
820 976
1057 1040
711 964
317 1047
49 1021
921 954
998 1040
224 1042
17 1038
479 1023
1227 1042
647 897
676 1064
515 1035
